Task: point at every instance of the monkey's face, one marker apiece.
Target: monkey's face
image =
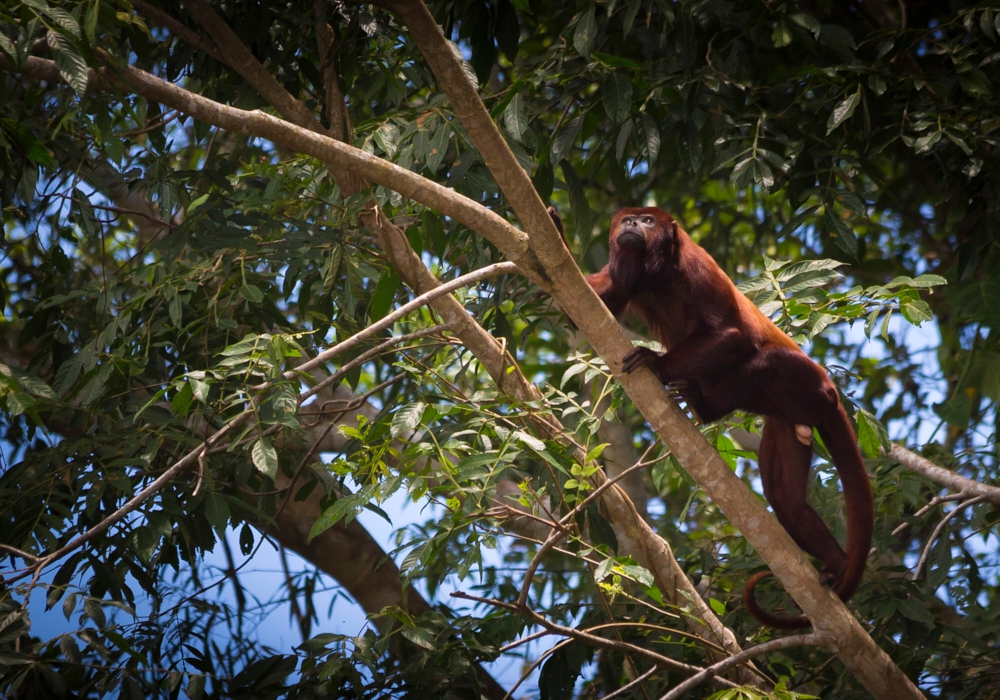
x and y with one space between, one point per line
634 229
641 244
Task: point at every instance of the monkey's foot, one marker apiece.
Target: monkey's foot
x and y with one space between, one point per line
831 576
639 357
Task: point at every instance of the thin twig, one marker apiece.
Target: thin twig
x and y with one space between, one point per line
592 639
535 664
201 472
818 639
366 356
560 530
937 531
163 121
387 321
631 684
524 640
18 552
136 501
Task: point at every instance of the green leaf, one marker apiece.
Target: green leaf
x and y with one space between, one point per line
572 372
438 147
529 440
419 637
182 400
928 281
71 65
265 457
586 33
64 20
718 607
804 266
654 593
629 19
843 235
200 389
617 97
252 293
91 21
603 569
615 61
872 435
960 142
600 529
406 419
793 224
13 658
639 573
562 144
623 134
916 311
8 48
195 689
956 410
387 137
925 143
175 310
842 112
198 202
782 35
346 507
217 511
31 384
578 202
515 118
915 610
806 21
559 673
383 295
652 133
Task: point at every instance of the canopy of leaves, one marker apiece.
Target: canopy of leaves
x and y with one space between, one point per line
162 280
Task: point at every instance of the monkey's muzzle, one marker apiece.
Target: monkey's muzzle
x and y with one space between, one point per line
631 237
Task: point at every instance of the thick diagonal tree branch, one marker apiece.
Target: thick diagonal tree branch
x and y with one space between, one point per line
395 244
635 536
856 649
632 531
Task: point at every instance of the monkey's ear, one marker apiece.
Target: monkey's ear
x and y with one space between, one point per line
559 225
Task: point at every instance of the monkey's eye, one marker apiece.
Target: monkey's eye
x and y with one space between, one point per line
648 220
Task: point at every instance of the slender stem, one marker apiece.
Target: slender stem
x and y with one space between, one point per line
631 684
136 500
416 303
813 639
937 532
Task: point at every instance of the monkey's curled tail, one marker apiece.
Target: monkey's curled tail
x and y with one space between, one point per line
839 438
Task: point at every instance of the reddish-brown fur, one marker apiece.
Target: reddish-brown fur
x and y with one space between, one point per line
724 354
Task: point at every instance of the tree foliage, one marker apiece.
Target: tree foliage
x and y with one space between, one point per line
164 283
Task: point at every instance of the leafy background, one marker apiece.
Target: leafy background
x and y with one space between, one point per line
775 132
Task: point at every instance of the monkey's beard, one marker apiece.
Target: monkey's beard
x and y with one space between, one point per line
628 267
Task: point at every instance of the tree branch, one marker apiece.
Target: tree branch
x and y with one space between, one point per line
180 465
814 639
262 125
859 653
925 467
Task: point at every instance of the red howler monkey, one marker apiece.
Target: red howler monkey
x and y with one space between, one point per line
724 354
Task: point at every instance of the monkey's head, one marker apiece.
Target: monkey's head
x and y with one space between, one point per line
642 242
